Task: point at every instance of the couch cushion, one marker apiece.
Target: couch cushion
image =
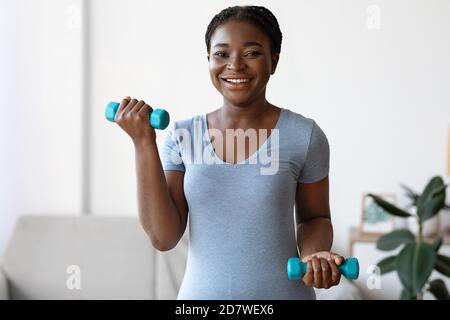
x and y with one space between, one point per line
114 256
3 285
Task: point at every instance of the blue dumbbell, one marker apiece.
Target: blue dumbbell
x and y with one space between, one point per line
159 118
296 268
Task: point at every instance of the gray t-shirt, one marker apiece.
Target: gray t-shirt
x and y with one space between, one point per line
241 216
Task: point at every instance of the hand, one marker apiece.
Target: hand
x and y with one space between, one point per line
322 271
133 117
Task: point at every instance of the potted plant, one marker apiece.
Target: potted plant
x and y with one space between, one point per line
418 256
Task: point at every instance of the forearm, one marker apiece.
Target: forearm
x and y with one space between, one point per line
157 212
314 235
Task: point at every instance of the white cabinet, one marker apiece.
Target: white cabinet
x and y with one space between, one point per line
364 248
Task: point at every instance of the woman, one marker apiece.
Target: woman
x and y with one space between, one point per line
240 200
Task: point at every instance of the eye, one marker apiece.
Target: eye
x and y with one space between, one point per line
220 54
252 54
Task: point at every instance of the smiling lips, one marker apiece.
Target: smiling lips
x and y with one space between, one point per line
237 82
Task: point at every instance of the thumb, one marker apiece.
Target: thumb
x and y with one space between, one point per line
305 258
338 259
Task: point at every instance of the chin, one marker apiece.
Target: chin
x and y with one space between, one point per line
238 102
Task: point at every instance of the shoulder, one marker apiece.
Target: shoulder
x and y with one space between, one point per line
186 125
304 132
299 124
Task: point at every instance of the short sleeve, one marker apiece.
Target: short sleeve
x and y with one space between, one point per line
317 163
171 157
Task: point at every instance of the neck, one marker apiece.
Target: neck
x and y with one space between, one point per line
243 116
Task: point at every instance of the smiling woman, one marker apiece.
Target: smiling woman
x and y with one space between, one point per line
242 226
243 45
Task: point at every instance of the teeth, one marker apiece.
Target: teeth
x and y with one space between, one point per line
237 80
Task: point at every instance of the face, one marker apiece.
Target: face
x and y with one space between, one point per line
240 62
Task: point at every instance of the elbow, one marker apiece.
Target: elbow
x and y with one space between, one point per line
162 245
158 242
162 241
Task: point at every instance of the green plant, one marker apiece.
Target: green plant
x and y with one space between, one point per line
418 257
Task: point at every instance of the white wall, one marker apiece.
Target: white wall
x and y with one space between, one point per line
40 131
382 96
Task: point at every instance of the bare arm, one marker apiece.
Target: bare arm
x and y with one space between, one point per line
162 205
315 235
314 228
161 201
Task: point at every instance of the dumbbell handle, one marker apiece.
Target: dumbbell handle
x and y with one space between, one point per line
296 268
159 118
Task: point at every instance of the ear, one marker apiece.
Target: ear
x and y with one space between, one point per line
275 58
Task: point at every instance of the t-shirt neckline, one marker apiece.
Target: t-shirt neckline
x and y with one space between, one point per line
253 155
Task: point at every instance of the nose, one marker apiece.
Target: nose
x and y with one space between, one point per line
235 63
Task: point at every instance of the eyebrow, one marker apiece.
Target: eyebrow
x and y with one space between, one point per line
247 44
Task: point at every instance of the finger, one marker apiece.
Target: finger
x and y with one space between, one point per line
122 105
323 254
306 258
338 259
317 272
145 109
308 277
335 273
326 273
124 102
137 107
129 106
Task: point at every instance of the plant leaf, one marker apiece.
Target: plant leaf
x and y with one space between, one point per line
406 295
414 265
437 202
439 190
411 194
394 239
439 290
443 265
437 243
432 199
388 207
387 264
433 184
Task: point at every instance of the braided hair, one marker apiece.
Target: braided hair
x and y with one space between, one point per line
259 16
